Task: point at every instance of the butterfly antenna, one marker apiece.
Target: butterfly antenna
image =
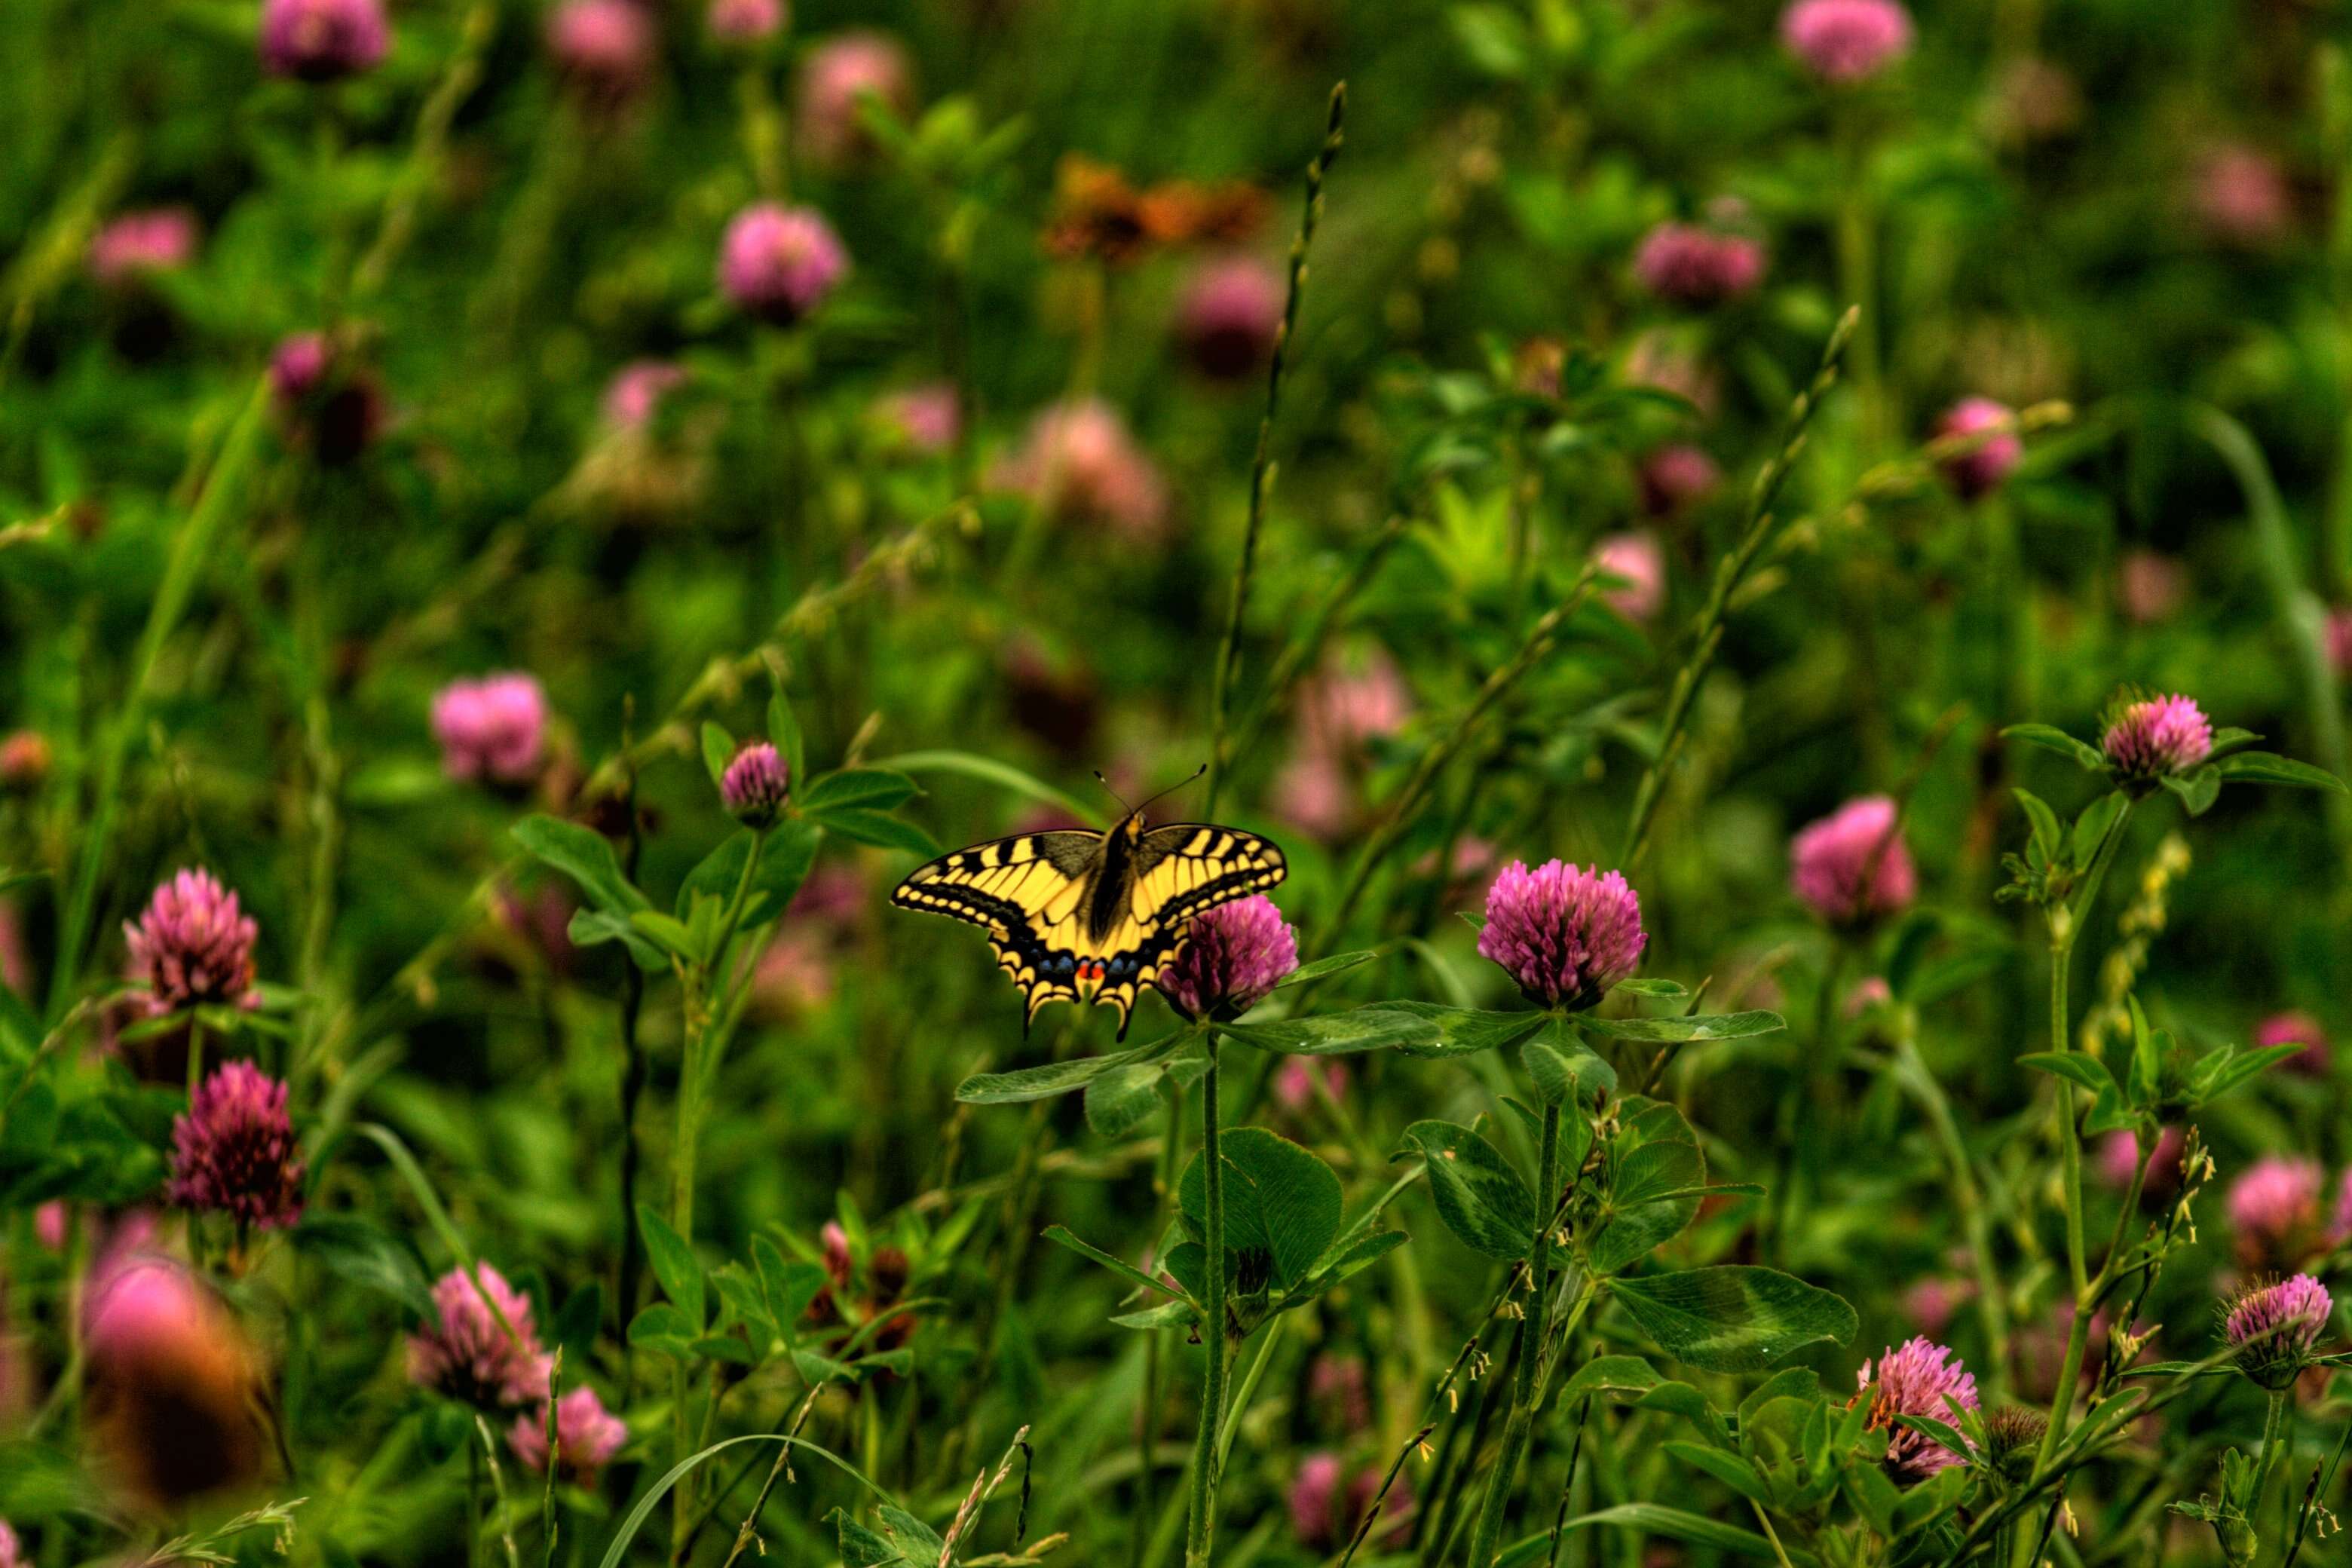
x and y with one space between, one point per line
1114 794
1171 789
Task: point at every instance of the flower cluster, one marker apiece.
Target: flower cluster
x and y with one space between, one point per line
483 1349
2273 1328
779 263
587 1435
1080 463
1234 955
1847 41
322 40
1684 264
1985 446
234 1150
1922 1378
2156 737
1564 932
1230 315
1854 865
193 945
755 786
494 728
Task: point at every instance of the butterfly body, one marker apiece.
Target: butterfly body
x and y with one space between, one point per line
1077 916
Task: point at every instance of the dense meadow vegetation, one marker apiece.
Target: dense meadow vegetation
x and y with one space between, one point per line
1756 599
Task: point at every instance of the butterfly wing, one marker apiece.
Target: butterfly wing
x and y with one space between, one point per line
1025 892
1177 872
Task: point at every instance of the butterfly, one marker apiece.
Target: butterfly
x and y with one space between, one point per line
1078 916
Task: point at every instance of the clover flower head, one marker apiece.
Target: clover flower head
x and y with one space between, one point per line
1636 557
835 80
322 40
1847 41
755 786
928 417
1080 462
1852 865
1566 933
2273 1327
1235 954
137 244
192 944
494 728
636 390
1922 1378
1315 1499
745 21
2119 1161
2275 1208
587 1435
1989 460
779 263
234 1151
1688 264
2158 736
1228 316
2241 197
605 49
2297 1029
468 1354
1677 476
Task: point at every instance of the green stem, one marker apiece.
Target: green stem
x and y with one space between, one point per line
196 1056
2274 1424
1485 1539
1148 1425
1200 1535
1262 465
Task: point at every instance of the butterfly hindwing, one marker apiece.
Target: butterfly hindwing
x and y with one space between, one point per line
1075 916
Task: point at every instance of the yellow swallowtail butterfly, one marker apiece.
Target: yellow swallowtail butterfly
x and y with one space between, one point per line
1078 916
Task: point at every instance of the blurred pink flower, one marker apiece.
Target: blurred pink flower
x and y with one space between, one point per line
1830 860
158 240
779 263
336 408
835 76
2274 1209
2119 1161
1344 708
1338 1392
15 963
745 21
2150 586
1686 264
494 728
1932 1303
2339 1223
637 389
1312 793
605 49
51 1222
1677 476
2241 196
193 944
12 1551
322 40
1230 314
2296 1029
24 759
1315 1500
1845 41
1868 993
542 917
1982 469
1294 1081
1637 558
587 1435
1079 463
928 417
2340 641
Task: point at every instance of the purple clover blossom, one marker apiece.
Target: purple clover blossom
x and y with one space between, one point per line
12 1551
192 944
1852 865
139 243
2157 737
605 48
1847 41
1230 315
587 1435
755 784
779 263
1989 460
1315 1499
468 1355
2273 1328
1923 1378
1684 264
322 40
2274 1209
835 80
234 1151
1235 954
2297 1029
494 728
1565 933
745 21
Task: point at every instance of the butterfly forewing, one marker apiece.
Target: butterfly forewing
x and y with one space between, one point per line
1073 915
